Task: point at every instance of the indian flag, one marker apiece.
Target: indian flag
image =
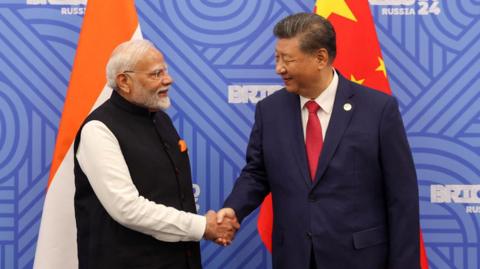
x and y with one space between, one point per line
106 24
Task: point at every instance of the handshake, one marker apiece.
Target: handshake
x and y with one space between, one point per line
221 226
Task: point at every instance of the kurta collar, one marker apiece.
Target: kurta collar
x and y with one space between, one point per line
121 102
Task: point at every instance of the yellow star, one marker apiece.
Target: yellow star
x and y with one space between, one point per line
381 67
359 81
325 8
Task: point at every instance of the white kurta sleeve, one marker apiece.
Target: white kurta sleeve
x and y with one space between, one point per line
102 161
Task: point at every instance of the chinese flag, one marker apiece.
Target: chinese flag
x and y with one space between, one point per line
359 58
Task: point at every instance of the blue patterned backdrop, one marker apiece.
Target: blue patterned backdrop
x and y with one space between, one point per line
434 70
433 59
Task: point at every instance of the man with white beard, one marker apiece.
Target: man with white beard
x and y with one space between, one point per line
134 203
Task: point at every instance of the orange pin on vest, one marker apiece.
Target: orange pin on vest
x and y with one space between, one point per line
182 145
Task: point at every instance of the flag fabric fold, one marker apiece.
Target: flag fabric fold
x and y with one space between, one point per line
106 24
359 58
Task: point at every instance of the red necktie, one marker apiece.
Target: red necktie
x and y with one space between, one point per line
314 139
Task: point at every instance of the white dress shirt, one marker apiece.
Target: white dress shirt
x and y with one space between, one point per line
102 161
325 100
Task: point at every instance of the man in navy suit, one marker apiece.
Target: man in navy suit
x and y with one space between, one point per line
335 156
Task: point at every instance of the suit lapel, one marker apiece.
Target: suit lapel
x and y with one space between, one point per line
293 118
338 123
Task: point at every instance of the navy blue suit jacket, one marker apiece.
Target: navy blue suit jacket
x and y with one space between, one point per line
362 209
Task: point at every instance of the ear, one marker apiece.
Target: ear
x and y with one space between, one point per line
124 83
322 57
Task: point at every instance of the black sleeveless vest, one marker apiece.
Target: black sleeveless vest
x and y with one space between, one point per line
161 173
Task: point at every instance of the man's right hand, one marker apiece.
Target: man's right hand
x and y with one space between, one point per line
226 212
224 215
222 232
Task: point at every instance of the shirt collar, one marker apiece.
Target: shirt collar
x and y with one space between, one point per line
326 99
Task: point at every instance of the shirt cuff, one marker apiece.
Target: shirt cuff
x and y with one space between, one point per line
198 226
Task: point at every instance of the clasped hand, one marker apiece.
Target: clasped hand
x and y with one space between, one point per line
221 226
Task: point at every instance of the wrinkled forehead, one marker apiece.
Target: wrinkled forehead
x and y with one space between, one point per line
152 59
287 46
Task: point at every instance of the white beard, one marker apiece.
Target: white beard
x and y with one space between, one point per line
164 103
152 101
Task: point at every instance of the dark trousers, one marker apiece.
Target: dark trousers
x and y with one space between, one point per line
313 265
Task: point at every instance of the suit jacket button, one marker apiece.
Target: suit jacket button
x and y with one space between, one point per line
311 198
177 171
309 234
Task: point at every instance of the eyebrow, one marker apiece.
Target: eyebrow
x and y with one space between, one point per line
161 66
283 54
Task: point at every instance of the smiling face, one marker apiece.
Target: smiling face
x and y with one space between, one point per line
303 73
147 85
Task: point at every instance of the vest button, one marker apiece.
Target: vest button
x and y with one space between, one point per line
177 171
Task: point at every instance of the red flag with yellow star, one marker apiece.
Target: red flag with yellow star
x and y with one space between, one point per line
359 58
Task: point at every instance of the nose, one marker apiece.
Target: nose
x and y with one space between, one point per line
167 80
279 68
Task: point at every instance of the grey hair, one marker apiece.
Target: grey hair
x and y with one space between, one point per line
125 57
315 32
